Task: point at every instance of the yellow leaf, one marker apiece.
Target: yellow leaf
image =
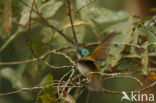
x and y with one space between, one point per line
75 24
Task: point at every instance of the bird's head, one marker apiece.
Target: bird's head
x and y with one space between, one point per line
82 52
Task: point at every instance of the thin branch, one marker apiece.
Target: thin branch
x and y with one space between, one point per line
49 25
66 56
58 67
29 31
71 21
96 34
136 79
60 49
61 80
91 16
88 95
34 88
66 84
82 6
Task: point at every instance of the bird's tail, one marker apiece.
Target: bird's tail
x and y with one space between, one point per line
95 83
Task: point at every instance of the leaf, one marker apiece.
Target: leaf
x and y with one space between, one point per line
48 82
9 73
133 55
47 99
13 36
24 16
48 93
118 27
145 60
149 32
75 24
126 64
26 13
47 34
18 82
153 10
48 9
121 38
104 15
134 41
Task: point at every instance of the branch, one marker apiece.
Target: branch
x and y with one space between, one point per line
49 25
59 67
87 3
71 21
29 32
49 52
63 48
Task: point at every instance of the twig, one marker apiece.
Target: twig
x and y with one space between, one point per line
29 32
66 56
91 16
61 80
66 84
88 95
96 34
23 89
137 46
149 29
60 49
71 21
136 79
40 58
77 86
64 48
87 3
49 25
58 67
34 88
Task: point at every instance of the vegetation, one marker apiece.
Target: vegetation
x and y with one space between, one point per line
37 43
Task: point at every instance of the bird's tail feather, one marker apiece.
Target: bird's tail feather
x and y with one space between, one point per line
95 83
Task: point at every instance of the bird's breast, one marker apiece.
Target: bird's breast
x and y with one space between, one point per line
83 68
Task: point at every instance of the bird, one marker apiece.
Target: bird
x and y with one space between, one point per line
88 63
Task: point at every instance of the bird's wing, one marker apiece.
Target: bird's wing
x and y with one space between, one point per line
90 62
101 51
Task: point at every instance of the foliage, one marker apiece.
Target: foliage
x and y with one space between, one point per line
48 44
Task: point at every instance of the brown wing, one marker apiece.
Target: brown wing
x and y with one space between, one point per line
101 51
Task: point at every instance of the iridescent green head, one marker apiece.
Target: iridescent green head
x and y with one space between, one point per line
83 52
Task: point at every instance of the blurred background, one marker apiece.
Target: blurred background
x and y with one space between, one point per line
14 42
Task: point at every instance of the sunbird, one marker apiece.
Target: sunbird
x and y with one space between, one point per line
88 63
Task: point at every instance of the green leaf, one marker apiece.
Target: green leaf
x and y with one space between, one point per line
48 99
9 73
126 64
47 34
50 8
121 38
13 36
24 16
48 83
134 41
118 27
104 15
145 60
153 10
150 33
18 82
